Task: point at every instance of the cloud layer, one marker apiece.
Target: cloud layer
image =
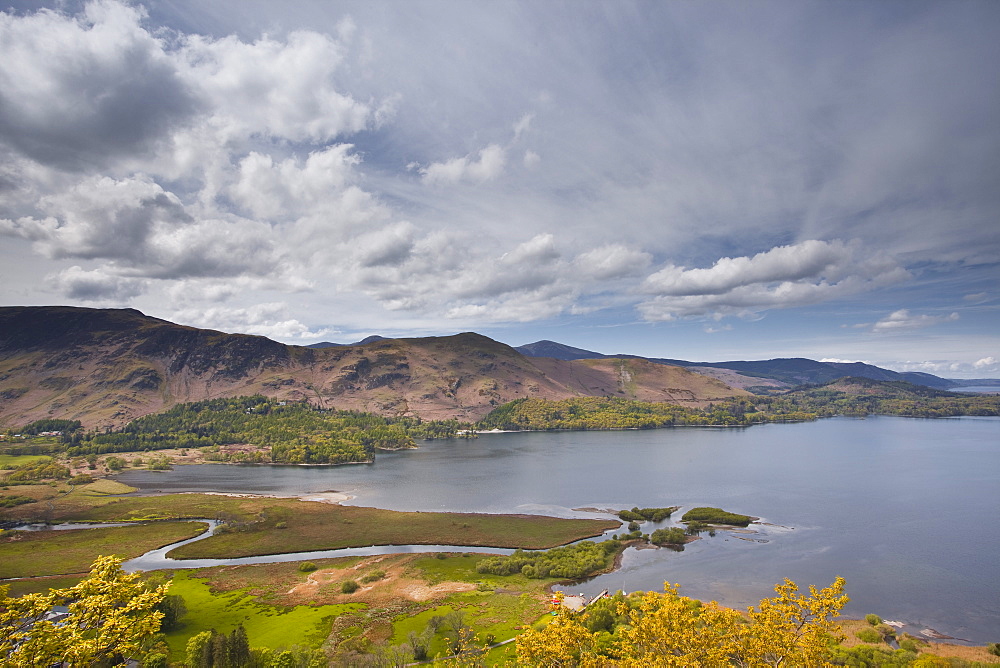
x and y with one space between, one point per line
452 167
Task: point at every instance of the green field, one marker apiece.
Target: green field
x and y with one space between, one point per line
266 625
37 553
8 462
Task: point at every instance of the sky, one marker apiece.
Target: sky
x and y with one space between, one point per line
697 180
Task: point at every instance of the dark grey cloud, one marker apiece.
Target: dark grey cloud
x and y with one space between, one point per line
75 93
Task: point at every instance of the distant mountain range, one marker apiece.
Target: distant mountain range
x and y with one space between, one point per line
781 373
106 367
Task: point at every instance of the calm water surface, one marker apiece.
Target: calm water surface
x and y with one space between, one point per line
905 509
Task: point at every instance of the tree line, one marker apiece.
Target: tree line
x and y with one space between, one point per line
294 432
583 413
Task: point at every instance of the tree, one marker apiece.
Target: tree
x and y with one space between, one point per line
112 617
671 630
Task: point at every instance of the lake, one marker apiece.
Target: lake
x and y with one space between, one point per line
905 509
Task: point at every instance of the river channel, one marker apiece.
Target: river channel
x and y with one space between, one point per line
904 509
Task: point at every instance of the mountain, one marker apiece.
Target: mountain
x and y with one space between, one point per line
106 367
559 351
762 375
327 344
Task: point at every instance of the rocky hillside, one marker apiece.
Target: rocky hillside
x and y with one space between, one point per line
108 366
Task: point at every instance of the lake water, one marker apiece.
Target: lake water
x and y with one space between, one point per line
904 509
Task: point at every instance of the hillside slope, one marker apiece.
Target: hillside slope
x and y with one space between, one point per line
108 366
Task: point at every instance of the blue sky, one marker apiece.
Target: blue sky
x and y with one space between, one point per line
705 181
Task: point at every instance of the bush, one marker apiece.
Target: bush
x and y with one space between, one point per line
307 567
349 587
374 576
874 620
869 636
993 648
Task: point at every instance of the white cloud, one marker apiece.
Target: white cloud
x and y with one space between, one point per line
273 88
951 368
290 188
612 261
805 260
489 166
103 218
835 360
270 320
522 125
904 320
986 363
787 276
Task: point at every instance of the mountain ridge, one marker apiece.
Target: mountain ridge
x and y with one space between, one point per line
106 367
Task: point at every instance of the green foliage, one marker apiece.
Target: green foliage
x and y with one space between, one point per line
11 501
709 515
864 656
651 514
38 426
295 432
173 609
115 463
671 536
873 619
211 649
41 470
869 636
307 567
374 576
993 648
349 587
873 397
570 561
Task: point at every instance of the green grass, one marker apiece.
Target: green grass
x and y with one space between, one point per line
106 486
13 461
487 612
37 553
266 625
